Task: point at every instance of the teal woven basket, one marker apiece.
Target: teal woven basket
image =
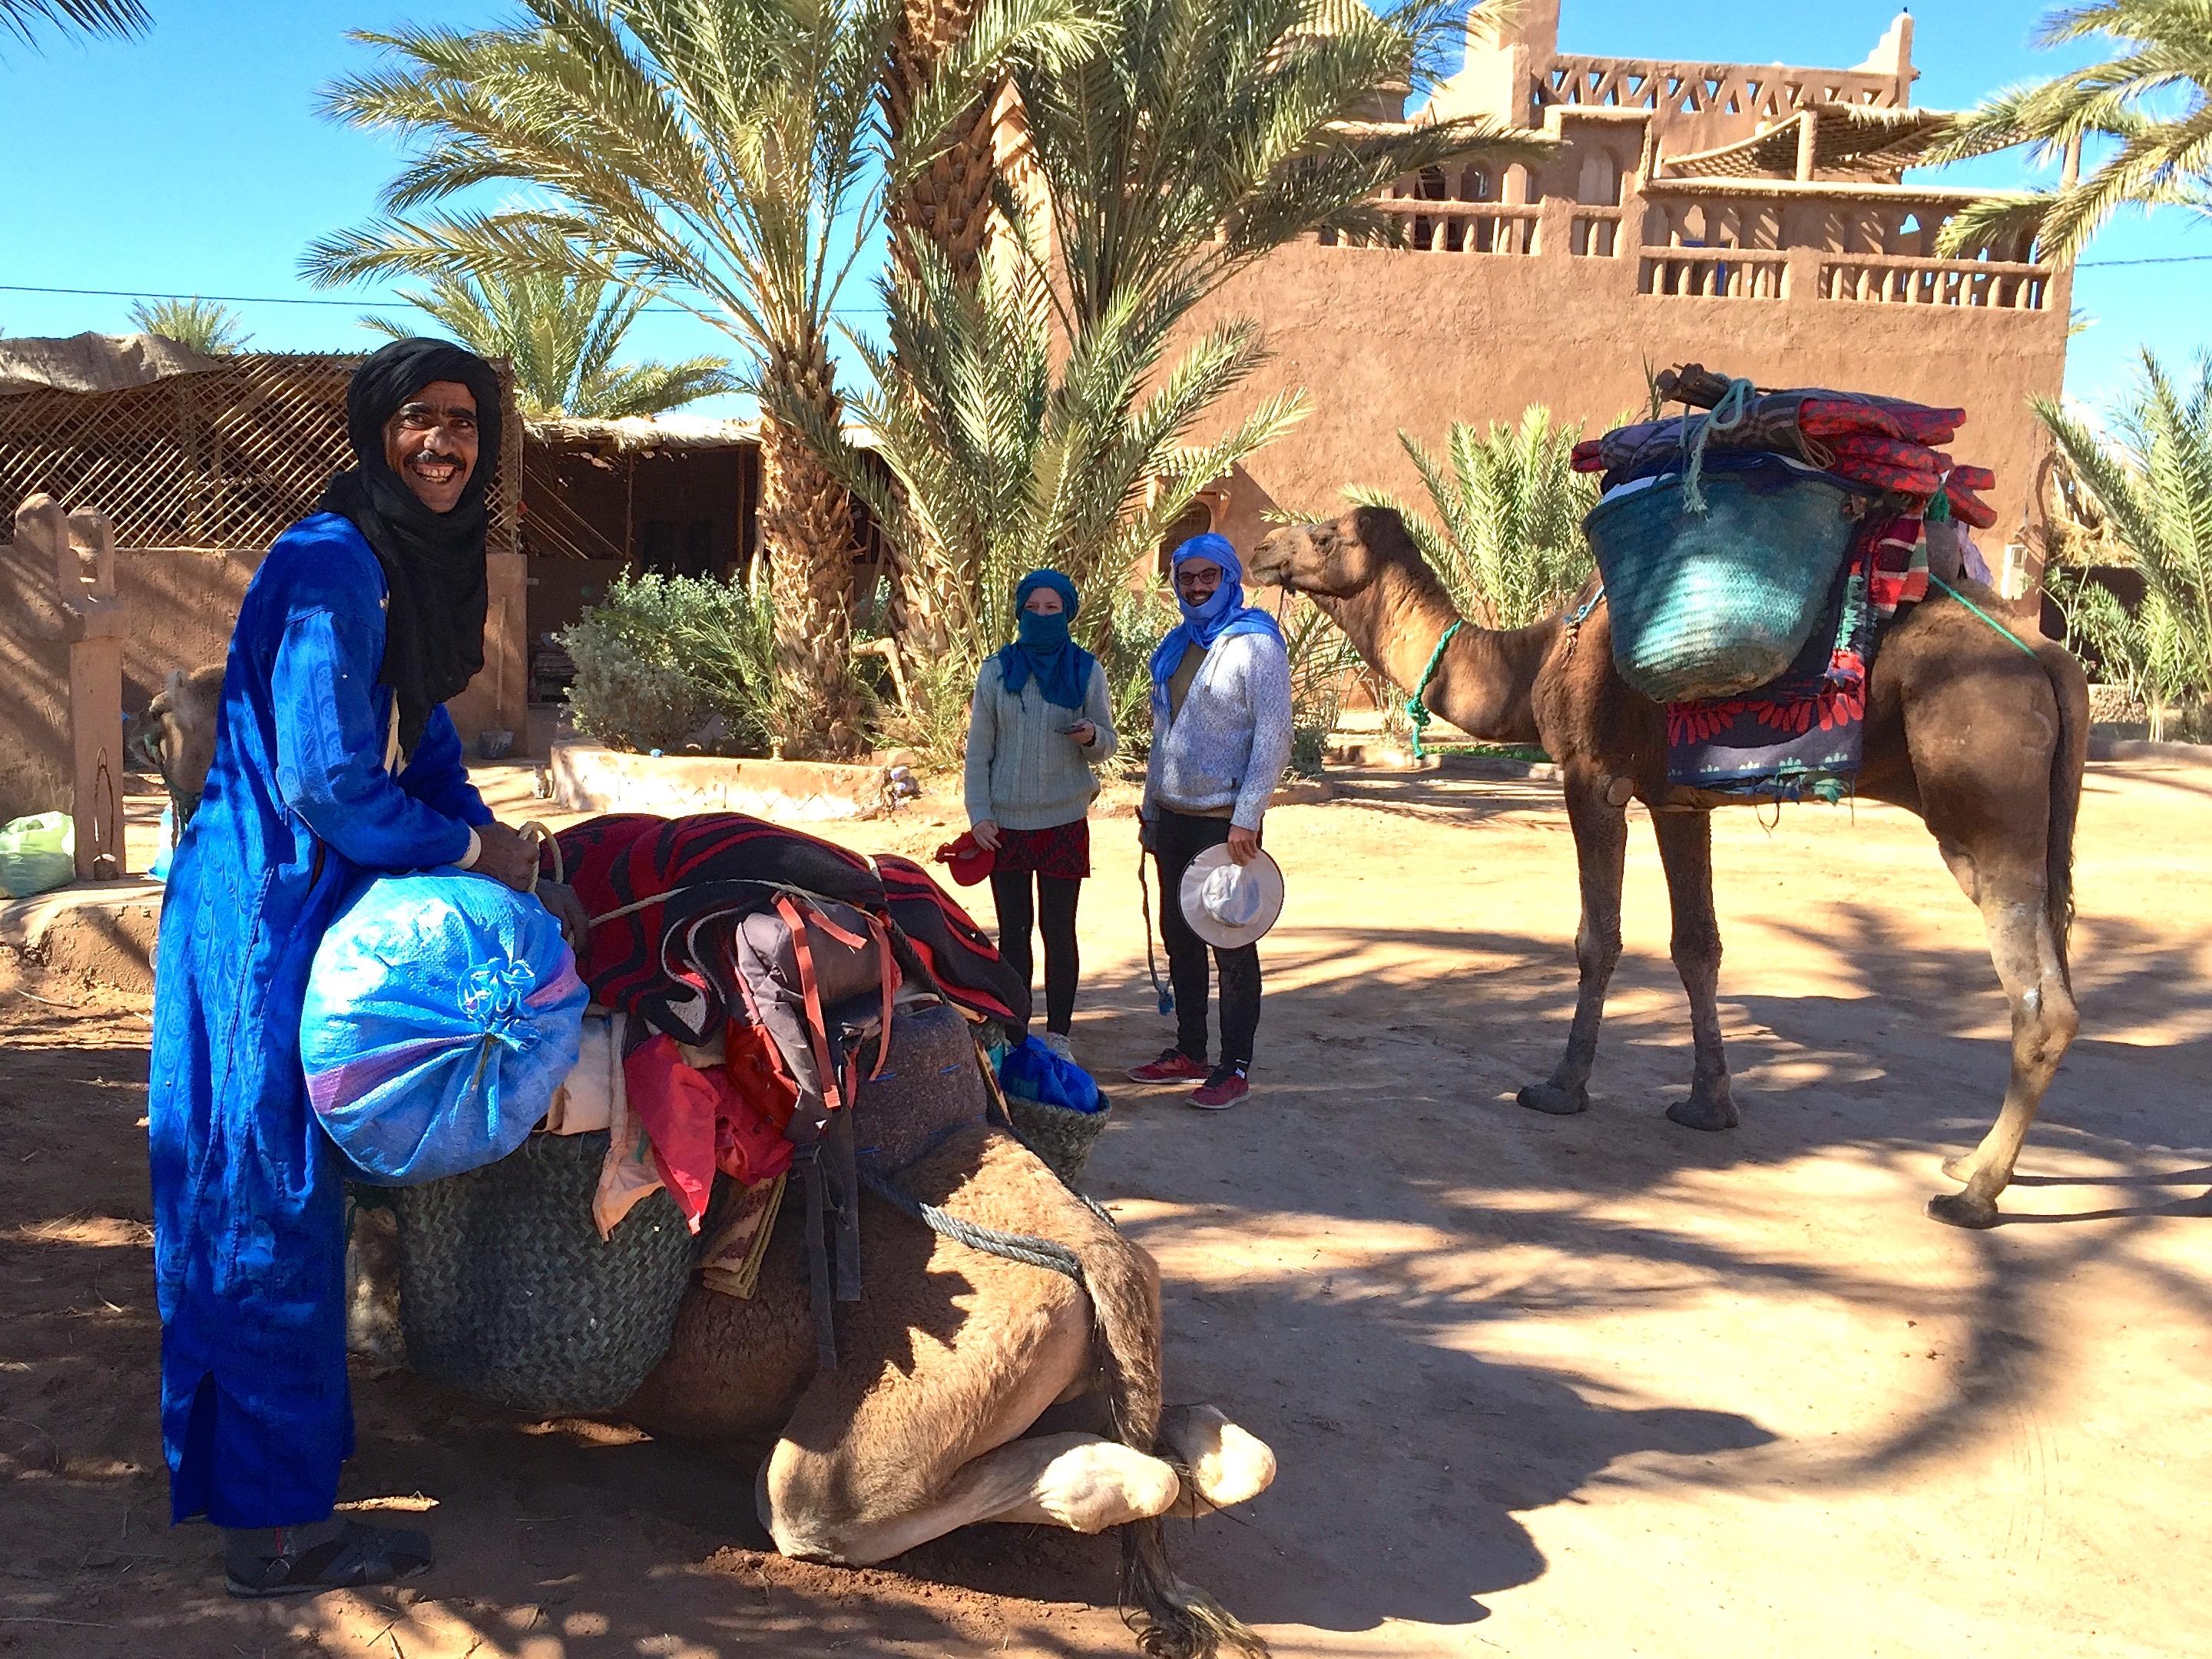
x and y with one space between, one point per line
1708 605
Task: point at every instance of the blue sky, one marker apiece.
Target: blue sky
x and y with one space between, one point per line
192 161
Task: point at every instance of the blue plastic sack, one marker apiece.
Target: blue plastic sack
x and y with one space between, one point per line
1035 1073
442 1011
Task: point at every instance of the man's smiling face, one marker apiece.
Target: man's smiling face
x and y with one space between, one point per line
431 443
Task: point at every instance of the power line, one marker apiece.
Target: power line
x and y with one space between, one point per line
295 300
685 311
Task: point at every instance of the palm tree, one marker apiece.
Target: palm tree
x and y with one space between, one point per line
1507 535
202 325
1204 134
2152 102
1010 452
2151 484
82 16
1189 138
561 334
715 153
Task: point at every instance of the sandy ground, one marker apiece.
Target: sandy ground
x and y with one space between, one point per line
1593 1387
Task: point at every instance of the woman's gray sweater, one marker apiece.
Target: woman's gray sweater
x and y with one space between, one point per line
1024 772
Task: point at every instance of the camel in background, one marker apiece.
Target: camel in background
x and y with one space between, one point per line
1984 742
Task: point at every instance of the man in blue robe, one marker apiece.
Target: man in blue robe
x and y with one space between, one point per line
334 756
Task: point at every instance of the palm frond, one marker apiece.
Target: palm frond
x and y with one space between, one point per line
2147 107
116 17
2151 481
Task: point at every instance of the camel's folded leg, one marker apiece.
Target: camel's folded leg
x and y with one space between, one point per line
1074 1481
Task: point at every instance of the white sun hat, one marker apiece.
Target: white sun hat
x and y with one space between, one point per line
1228 905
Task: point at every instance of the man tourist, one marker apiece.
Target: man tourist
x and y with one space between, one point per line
334 756
1221 736
1039 724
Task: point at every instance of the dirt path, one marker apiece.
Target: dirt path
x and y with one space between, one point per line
1587 1387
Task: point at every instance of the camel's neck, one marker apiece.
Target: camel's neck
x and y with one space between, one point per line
1484 682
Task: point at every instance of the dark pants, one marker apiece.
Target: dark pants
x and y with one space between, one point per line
1181 838
1054 916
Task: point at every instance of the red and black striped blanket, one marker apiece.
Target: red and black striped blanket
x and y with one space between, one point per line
656 888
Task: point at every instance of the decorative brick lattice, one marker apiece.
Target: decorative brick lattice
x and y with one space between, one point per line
227 458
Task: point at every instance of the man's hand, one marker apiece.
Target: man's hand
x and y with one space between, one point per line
568 909
987 835
507 855
1243 844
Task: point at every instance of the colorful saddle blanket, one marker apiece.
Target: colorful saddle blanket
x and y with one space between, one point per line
1803 734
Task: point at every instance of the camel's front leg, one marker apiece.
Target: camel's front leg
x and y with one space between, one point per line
1601 849
1686 849
1074 1481
2032 965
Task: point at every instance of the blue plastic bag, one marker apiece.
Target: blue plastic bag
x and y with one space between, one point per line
442 1011
1035 1073
166 853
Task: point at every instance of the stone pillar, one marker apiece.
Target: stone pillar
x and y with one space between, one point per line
89 623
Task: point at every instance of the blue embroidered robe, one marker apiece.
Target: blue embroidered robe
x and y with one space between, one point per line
248 1236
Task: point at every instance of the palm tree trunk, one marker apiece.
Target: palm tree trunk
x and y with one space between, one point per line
806 532
949 204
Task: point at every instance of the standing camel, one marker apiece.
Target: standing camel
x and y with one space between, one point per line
1986 742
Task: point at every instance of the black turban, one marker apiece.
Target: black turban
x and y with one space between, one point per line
434 562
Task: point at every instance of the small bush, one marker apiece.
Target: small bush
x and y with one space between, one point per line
663 661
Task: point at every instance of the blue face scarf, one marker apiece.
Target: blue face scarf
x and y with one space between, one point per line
1042 647
1223 615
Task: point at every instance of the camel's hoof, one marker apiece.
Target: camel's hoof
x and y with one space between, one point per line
1696 1114
1228 1464
1960 1166
1550 1098
1963 1210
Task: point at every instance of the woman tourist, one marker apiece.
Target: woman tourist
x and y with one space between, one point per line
1040 724
333 755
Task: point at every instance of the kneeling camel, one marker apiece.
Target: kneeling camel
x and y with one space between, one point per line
969 1387
1984 741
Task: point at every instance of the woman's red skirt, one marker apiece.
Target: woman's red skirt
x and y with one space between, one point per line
1063 851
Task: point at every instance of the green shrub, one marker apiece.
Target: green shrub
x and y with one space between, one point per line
665 661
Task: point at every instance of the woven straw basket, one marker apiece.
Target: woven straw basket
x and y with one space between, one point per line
1710 605
1061 1137
507 1291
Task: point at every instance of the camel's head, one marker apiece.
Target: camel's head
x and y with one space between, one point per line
176 734
1332 561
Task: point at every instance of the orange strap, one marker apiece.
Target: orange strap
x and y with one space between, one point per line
889 974
810 988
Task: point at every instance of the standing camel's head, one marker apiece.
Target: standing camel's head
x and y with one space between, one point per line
1336 560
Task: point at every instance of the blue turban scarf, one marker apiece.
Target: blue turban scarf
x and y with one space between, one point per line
1042 647
1223 617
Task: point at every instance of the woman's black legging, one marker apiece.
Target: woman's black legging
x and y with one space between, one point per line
1054 914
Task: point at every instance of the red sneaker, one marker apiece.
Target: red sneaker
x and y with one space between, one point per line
1223 1090
1172 1067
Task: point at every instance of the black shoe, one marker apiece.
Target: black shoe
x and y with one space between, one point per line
360 1555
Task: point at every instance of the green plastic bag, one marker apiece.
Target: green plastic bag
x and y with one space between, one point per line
37 853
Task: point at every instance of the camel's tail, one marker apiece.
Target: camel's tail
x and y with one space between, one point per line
1172 1619
2071 686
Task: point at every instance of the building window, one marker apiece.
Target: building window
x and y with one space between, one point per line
1193 520
1600 186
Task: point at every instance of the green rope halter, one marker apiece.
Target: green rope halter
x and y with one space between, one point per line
1416 710
1983 614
